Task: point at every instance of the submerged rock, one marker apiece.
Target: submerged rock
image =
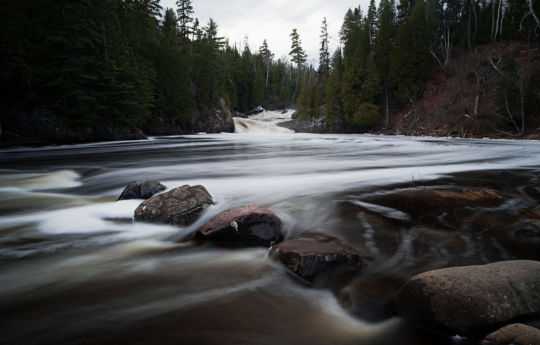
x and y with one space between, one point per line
517 334
256 110
436 206
370 297
141 190
244 225
471 299
313 253
179 206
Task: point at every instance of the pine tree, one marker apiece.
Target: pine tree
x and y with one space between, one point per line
404 10
267 57
185 16
298 56
174 99
410 56
372 21
383 46
324 55
334 106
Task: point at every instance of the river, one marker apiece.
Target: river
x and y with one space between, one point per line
75 268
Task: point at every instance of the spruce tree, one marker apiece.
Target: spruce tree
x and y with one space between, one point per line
267 57
185 16
372 21
324 55
298 56
383 46
334 106
409 61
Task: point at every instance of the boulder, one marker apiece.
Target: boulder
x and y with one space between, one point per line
141 190
243 226
256 110
313 253
150 188
370 297
132 191
471 299
436 206
179 206
516 333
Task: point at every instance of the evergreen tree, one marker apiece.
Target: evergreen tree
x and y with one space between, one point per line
324 55
383 46
410 56
174 99
404 10
185 16
372 21
334 106
298 56
267 57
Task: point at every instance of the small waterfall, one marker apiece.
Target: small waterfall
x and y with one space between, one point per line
265 122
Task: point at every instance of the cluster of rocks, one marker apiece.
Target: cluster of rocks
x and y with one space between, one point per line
478 301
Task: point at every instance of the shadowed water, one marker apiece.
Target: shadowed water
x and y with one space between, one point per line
75 269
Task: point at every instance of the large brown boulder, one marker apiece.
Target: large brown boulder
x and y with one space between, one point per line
179 206
313 254
471 299
243 226
517 334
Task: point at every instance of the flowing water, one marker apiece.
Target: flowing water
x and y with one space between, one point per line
76 269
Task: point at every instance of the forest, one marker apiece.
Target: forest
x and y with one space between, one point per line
130 62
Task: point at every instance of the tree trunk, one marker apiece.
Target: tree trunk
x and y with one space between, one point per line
386 97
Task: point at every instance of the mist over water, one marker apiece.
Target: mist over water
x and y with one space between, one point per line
75 268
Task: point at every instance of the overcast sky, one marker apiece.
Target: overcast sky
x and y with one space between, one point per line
274 20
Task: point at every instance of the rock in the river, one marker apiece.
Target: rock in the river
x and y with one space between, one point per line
150 188
313 254
141 190
179 206
370 297
434 206
517 334
132 191
471 299
244 225
256 110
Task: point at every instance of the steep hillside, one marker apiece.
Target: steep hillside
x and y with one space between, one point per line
479 94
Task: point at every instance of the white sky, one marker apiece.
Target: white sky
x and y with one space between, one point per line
274 20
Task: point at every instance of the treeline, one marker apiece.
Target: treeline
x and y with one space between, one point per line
128 62
388 50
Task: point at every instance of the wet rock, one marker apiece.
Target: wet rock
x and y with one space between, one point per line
528 230
243 226
256 110
284 111
446 207
312 254
370 297
517 334
132 191
179 206
141 190
471 299
150 188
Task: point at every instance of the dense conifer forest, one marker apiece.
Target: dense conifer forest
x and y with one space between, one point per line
132 62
